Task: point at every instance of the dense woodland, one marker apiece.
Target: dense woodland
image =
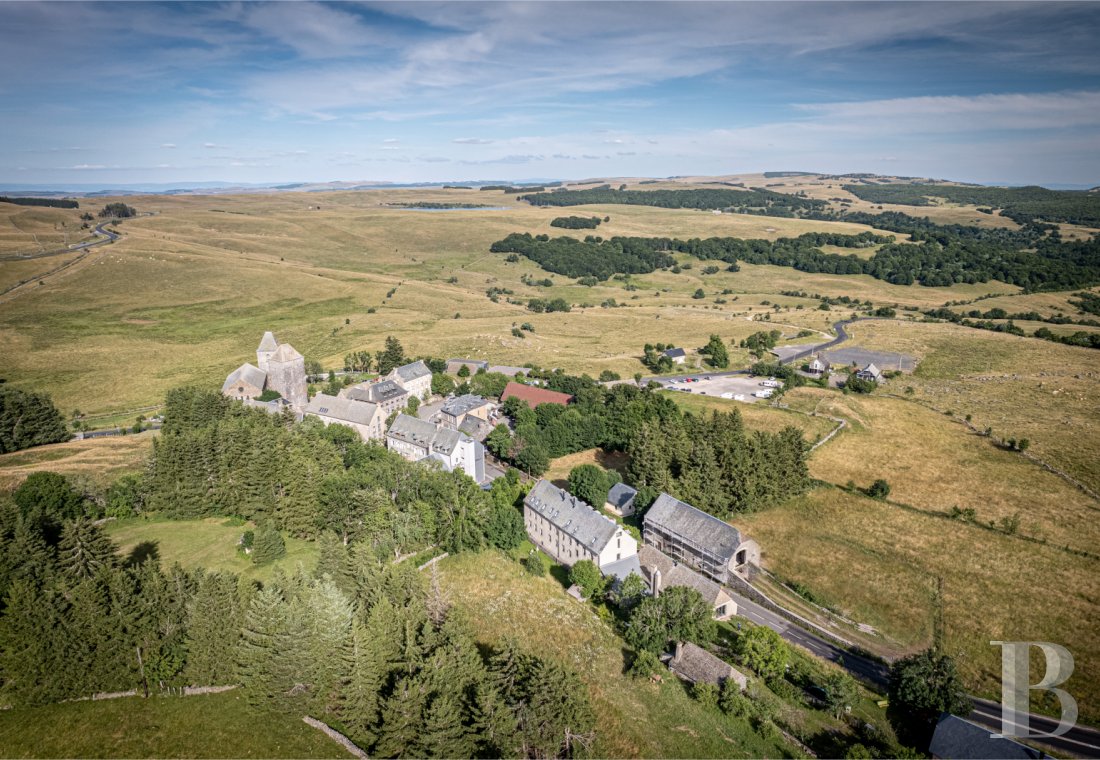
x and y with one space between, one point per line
941 255
28 419
755 201
1021 204
576 222
48 202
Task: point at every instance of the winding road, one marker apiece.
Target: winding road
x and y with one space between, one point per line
106 237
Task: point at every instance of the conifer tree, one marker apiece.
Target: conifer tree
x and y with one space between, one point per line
444 733
264 620
32 655
84 550
214 626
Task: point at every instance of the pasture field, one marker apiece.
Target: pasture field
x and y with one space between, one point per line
101 460
207 726
880 564
35 229
757 416
185 295
1047 304
636 718
210 543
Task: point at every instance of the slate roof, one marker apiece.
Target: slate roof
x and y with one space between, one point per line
480 363
460 405
268 342
675 573
342 409
285 353
674 516
414 371
695 664
384 390
621 495
534 396
675 353
961 739
424 434
571 515
504 369
245 373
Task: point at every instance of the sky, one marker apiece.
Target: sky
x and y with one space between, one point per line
106 94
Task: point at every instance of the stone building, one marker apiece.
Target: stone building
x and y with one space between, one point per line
363 417
417 439
278 368
415 378
386 393
570 530
689 535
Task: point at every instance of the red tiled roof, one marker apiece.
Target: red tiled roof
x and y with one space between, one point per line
534 396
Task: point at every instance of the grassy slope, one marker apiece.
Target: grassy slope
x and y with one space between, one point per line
211 726
101 459
636 719
210 543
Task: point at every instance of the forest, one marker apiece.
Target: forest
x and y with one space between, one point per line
576 222
28 419
743 201
48 202
1021 204
943 254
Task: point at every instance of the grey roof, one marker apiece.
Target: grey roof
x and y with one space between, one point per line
871 369
414 371
697 664
268 342
462 404
674 516
675 353
476 428
571 515
820 361
675 573
504 369
342 409
624 567
245 373
426 435
475 362
383 390
958 738
285 353
621 495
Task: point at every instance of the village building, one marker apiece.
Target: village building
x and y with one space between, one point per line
570 530
678 355
696 665
457 410
818 366
278 368
712 546
454 365
956 738
620 500
415 378
870 372
365 418
417 439
661 572
534 396
386 393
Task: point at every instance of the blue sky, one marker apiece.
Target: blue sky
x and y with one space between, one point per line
113 93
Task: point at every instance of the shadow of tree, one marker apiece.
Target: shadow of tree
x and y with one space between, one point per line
146 550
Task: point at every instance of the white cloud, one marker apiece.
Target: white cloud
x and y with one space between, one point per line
471 141
170 146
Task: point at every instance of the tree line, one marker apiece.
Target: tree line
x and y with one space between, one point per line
576 222
48 202
592 257
1021 204
28 419
755 200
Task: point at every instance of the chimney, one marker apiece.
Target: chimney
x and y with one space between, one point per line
679 650
655 584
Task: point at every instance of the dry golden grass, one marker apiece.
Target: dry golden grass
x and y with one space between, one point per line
1047 304
34 229
1020 387
758 416
609 460
879 563
101 459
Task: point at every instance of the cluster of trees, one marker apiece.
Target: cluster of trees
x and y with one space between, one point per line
653 357
1088 302
216 457
48 202
716 465
1080 338
444 206
589 258
590 483
28 419
756 200
540 305
761 342
1021 204
117 210
577 222
716 353
383 362
361 644
603 417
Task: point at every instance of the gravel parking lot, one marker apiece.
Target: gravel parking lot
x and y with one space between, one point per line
735 385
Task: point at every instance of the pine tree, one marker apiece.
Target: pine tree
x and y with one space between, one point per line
264 620
402 721
32 647
444 733
84 550
268 545
214 626
493 723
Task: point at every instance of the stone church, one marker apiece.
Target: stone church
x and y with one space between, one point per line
278 367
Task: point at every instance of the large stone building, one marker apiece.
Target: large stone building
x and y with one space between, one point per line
417 439
415 378
386 393
455 411
570 530
712 546
278 368
661 572
367 419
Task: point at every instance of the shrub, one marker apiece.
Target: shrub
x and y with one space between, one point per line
645 664
705 694
532 563
268 545
880 489
586 576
